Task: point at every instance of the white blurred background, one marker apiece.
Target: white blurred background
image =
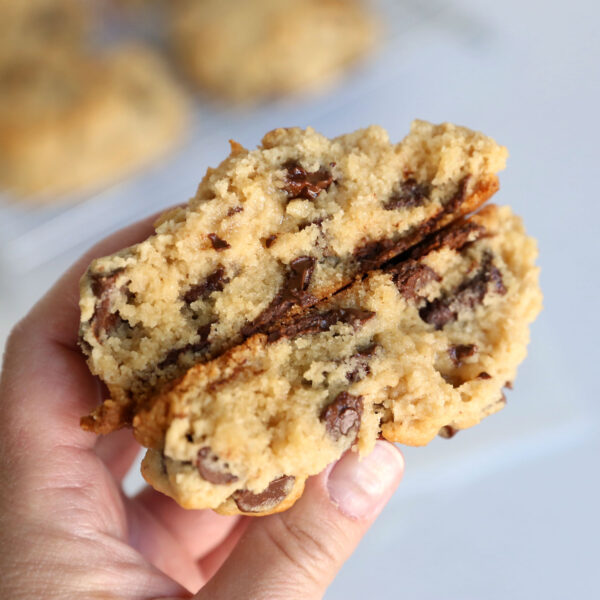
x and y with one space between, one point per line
509 509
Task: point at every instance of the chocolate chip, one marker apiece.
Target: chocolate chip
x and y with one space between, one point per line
270 240
315 322
300 183
213 283
212 469
469 293
103 284
361 360
374 253
234 210
460 352
410 276
508 385
448 432
410 194
316 222
198 347
103 320
277 491
342 417
436 313
484 375
217 243
302 269
293 292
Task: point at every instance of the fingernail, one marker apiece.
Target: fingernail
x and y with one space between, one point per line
360 487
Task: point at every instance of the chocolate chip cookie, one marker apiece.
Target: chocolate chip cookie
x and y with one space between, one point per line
269 233
38 26
421 346
247 50
70 122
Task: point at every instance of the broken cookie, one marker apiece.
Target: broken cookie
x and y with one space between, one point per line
270 233
243 432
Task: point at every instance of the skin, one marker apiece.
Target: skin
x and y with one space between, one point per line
67 530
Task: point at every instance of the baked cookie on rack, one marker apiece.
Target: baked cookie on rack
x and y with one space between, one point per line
74 122
249 50
269 233
422 346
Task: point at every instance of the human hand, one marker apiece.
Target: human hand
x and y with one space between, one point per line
67 530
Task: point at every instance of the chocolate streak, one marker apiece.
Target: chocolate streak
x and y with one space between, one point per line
375 253
103 319
410 194
469 293
277 491
198 347
315 322
215 282
293 292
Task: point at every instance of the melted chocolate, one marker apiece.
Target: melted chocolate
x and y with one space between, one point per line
300 183
448 432
361 360
103 319
342 417
372 254
270 240
315 322
469 293
217 243
213 283
210 467
410 194
198 347
277 491
234 210
459 353
410 276
293 292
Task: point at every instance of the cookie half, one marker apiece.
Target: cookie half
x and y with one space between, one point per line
246 50
422 347
71 123
269 233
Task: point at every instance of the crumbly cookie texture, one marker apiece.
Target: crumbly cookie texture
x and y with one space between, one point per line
270 232
422 347
246 50
70 123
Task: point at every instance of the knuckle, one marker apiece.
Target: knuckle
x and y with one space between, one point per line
303 547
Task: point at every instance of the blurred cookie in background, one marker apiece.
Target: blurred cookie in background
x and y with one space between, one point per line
73 123
36 25
248 50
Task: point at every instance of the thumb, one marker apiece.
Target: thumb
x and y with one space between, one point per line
297 553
